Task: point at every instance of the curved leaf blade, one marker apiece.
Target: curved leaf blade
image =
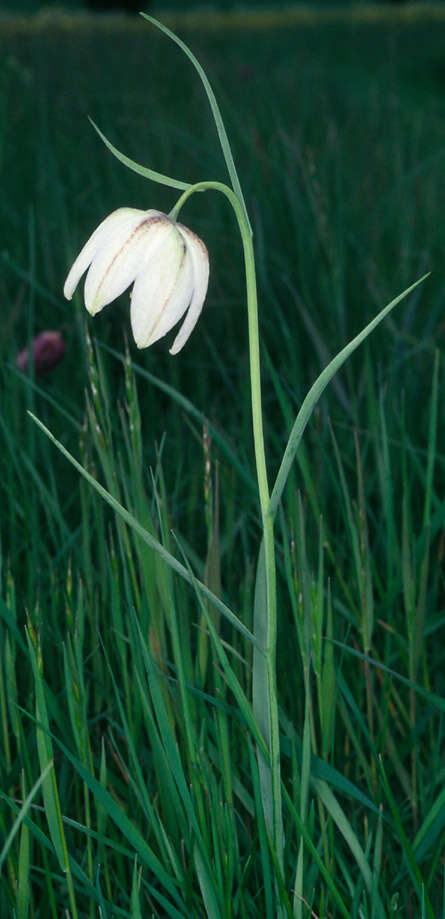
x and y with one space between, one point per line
136 167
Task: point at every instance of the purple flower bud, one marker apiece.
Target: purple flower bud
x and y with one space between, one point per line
47 351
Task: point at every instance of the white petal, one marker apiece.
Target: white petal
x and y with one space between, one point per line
109 226
120 257
200 262
162 290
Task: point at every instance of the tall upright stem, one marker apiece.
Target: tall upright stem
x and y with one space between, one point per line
269 637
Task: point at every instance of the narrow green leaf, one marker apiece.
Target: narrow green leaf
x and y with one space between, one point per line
432 441
304 798
329 880
411 860
172 754
12 626
430 697
339 817
261 828
135 902
194 412
127 828
316 391
283 904
206 885
46 756
232 681
136 167
326 772
103 914
23 880
431 827
223 139
260 683
147 537
23 812
378 847
46 845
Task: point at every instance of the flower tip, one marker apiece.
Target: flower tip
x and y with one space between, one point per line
67 290
175 349
71 283
92 305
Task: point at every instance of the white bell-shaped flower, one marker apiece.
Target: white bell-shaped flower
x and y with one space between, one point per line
167 264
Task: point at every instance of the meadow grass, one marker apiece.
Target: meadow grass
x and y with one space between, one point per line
113 668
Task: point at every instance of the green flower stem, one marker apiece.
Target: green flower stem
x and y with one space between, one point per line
269 648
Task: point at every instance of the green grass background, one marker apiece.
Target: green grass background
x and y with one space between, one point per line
339 135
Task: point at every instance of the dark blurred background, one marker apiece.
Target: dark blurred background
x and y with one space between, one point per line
159 6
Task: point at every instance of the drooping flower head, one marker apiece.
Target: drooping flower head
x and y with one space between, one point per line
167 264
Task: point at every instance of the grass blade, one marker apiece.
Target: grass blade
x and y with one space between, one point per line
23 812
413 867
194 412
205 883
148 538
316 391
